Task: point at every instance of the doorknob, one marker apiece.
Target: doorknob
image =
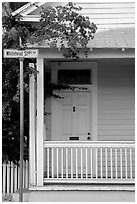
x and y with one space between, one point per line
88 138
73 109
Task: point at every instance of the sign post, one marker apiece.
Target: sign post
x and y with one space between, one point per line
21 129
21 54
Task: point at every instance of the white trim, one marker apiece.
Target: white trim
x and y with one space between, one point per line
21 9
31 18
32 128
95 105
97 53
55 66
40 120
98 144
27 8
89 181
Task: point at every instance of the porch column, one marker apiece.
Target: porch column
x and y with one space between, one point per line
32 128
40 120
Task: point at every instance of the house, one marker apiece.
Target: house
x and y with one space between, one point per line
84 150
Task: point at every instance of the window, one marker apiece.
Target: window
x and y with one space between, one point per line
74 76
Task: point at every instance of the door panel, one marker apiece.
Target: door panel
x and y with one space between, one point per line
74 111
66 123
82 115
81 122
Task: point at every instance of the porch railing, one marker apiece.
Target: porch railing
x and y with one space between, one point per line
89 162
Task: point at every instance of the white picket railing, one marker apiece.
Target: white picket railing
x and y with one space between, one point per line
10 177
91 162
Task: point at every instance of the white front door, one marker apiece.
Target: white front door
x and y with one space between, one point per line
74 116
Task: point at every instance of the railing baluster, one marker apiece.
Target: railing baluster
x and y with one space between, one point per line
101 160
126 161
121 169
47 162
116 161
76 163
52 156
106 154
130 163
71 162
86 163
62 162
57 162
91 160
96 163
111 160
81 162
66 162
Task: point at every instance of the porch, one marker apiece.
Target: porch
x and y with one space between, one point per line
103 123
89 162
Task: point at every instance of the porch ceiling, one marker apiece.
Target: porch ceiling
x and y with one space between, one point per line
109 38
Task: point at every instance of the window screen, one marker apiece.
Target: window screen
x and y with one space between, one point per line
74 76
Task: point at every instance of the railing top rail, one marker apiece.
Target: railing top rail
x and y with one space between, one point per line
108 144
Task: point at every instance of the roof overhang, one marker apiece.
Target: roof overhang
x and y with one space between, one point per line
97 53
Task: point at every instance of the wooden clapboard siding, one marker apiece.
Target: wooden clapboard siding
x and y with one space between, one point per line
116 100
106 14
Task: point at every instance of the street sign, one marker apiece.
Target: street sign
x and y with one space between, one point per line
12 53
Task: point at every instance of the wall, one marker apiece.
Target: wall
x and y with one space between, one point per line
116 100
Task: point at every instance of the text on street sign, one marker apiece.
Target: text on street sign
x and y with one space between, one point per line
12 53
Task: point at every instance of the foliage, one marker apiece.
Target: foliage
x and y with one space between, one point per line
60 26
66 28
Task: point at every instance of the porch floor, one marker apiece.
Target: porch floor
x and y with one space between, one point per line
82 187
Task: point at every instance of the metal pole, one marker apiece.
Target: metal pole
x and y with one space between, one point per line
21 130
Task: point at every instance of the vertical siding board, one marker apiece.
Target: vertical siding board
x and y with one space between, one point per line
27 174
15 178
8 178
17 175
4 179
12 178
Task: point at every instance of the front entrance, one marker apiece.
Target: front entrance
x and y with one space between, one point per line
74 116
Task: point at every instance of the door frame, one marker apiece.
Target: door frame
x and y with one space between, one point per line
55 66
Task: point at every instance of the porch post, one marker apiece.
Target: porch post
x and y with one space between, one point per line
32 118
40 120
